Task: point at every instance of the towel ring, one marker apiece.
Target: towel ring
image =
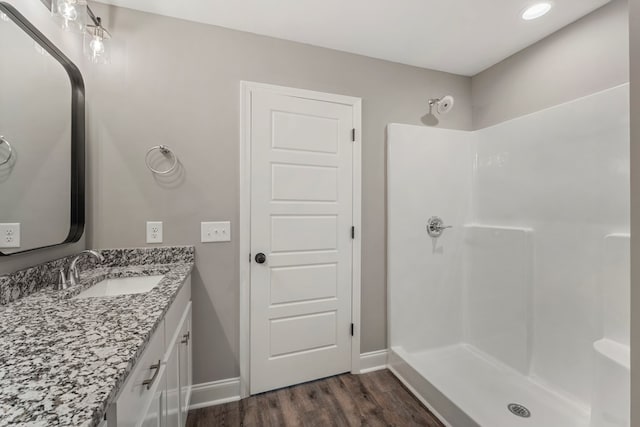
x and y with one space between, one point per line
164 150
3 140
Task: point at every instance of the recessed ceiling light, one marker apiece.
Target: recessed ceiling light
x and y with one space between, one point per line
536 11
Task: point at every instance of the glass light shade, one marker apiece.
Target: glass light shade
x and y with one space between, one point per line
72 14
97 44
4 17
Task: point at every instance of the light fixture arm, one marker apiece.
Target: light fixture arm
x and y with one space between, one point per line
96 19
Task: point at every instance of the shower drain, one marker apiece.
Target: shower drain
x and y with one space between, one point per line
519 410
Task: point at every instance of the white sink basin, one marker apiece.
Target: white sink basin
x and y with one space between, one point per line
121 286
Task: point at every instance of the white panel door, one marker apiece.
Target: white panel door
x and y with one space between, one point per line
301 219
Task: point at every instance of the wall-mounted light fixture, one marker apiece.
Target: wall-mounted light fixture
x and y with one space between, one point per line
96 41
77 16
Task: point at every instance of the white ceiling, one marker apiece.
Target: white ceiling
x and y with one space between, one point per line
458 36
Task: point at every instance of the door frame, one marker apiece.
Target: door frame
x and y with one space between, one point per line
246 89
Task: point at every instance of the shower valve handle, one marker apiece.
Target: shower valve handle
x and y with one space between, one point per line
435 226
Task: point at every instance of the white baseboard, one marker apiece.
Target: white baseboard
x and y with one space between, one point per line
373 361
215 393
225 391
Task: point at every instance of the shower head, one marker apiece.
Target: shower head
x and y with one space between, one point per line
443 105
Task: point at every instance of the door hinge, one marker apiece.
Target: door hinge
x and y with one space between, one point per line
249 256
353 232
352 329
353 135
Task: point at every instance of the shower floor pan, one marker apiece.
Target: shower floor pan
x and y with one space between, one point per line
467 388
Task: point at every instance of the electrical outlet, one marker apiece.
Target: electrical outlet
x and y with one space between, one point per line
215 231
154 231
10 235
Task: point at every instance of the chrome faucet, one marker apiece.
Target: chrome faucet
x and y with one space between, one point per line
73 276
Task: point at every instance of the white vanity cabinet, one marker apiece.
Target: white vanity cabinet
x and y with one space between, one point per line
179 380
153 416
158 390
185 373
172 390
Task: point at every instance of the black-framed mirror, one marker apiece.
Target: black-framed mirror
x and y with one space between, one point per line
42 140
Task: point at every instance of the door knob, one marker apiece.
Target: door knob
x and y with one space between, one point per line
261 258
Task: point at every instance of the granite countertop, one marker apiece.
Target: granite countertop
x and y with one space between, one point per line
62 360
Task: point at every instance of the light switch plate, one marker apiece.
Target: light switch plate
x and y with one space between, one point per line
10 235
154 231
215 231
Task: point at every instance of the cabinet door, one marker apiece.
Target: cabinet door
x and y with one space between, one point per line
135 395
186 376
155 413
173 387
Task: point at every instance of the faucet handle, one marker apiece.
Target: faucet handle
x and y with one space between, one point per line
62 280
74 276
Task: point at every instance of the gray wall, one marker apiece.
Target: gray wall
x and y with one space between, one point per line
177 82
635 209
588 56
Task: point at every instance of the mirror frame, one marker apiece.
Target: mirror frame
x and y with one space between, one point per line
77 219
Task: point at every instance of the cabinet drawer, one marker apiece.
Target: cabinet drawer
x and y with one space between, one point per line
136 395
176 311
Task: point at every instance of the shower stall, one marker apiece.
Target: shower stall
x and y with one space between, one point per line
519 313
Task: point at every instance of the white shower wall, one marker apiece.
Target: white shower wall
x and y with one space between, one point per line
522 274
428 174
497 285
564 172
